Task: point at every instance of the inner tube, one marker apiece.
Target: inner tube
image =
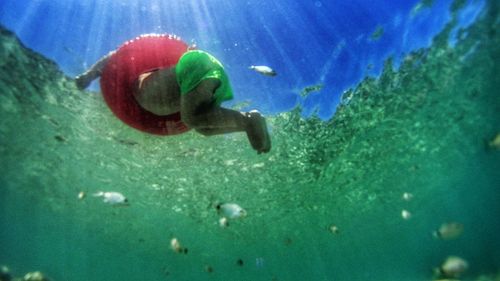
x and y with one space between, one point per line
119 77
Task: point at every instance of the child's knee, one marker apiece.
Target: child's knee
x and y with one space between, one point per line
192 118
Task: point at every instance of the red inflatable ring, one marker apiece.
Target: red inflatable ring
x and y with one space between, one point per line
118 81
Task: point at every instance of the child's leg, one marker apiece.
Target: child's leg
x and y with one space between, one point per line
83 80
199 112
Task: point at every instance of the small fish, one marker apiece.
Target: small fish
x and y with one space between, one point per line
59 138
452 267
259 262
176 246
262 69
113 198
405 214
81 195
5 273
35 276
495 142
230 210
224 222
334 229
407 196
448 231
209 268
127 142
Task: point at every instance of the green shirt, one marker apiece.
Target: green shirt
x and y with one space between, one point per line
196 66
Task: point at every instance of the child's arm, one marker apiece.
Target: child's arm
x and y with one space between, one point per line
83 80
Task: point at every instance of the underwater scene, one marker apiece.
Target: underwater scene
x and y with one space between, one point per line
384 120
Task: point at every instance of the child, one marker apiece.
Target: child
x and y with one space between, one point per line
195 87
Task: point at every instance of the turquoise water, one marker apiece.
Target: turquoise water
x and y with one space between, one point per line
421 128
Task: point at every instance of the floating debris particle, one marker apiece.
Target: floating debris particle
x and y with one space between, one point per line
448 231
240 262
262 69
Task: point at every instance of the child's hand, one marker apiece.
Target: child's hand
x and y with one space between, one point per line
82 81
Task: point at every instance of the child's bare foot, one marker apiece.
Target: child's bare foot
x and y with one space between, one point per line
257 132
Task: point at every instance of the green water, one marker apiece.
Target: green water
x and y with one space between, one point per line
421 128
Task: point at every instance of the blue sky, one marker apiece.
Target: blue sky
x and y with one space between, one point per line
306 42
